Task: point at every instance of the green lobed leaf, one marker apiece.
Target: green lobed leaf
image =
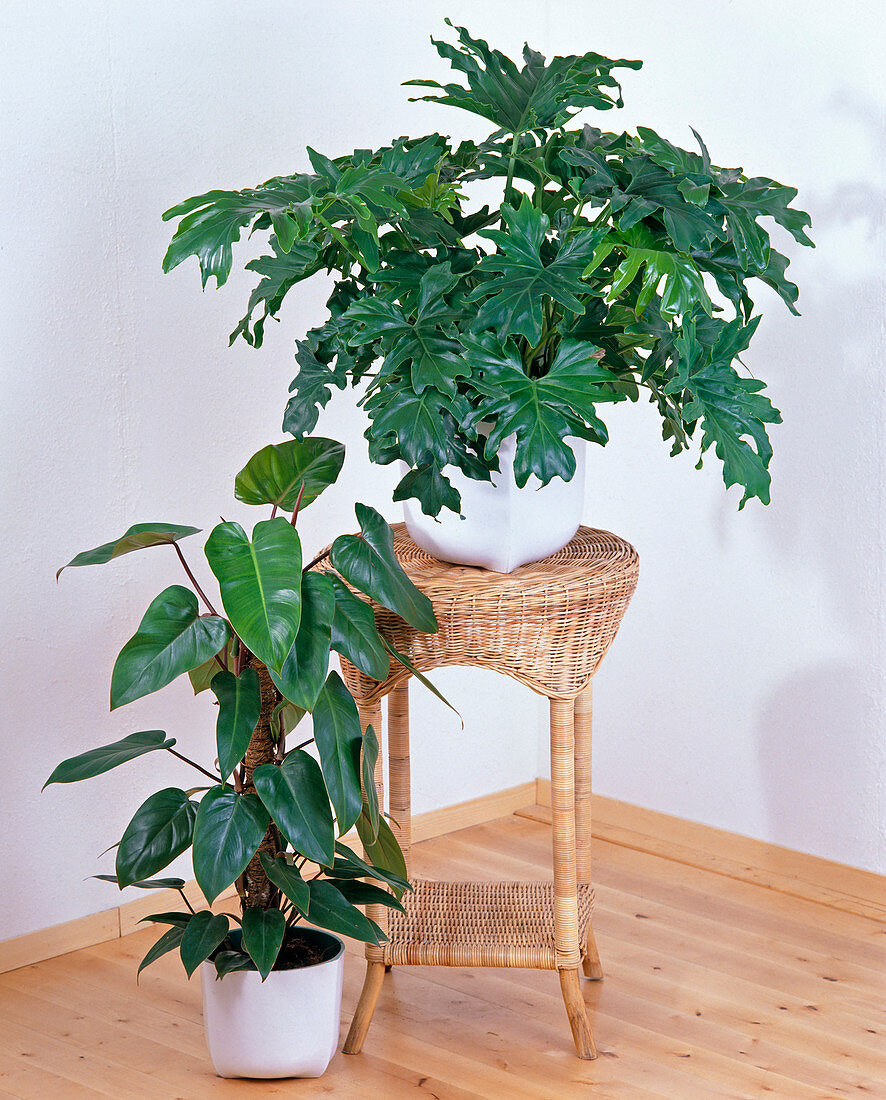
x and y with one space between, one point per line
338 738
543 412
354 634
172 638
304 670
522 280
239 707
330 909
227 832
295 796
539 94
161 829
368 563
138 537
277 473
430 487
286 877
204 932
98 761
260 582
263 931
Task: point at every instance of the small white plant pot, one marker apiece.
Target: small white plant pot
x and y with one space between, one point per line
504 526
286 1026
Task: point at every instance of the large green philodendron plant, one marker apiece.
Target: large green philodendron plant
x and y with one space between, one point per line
270 811
598 277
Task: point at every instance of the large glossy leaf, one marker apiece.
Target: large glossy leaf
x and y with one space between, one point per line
543 412
383 850
161 829
227 832
279 274
169 941
364 893
420 676
354 634
202 676
434 355
367 562
521 278
654 190
204 932
138 537
330 909
171 639
430 487
733 415
278 473
148 883
338 738
676 278
97 761
539 94
369 758
304 670
286 878
263 931
211 223
239 707
228 962
420 422
295 796
260 582
349 865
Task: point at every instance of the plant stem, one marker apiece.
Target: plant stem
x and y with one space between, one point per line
214 778
335 233
317 560
512 160
185 900
301 493
193 580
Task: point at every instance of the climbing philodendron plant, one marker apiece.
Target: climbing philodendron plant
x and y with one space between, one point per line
616 263
271 818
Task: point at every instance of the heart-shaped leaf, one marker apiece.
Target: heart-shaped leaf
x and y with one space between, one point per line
287 878
239 707
161 829
138 537
260 581
97 761
171 639
354 634
330 909
263 931
295 796
227 833
367 561
370 794
304 670
204 932
169 941
383 850
276 474
338 739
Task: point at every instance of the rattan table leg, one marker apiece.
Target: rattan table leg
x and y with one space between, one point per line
398 765
375 975
584 709
370 715
563 808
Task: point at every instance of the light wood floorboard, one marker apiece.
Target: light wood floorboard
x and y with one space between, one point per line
715 987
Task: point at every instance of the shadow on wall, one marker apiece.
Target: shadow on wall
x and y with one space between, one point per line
814 735
819 732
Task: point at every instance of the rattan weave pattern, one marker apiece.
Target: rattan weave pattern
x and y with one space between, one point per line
547 624
479 924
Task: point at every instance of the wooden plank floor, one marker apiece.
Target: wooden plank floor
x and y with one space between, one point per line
714 988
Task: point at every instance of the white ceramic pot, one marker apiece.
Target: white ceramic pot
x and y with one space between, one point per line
286 1026
501 526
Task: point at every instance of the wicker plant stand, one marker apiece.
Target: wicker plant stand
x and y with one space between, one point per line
548 625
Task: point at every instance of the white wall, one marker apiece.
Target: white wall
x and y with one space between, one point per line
746 688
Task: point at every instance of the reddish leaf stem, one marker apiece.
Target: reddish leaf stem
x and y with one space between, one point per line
193 580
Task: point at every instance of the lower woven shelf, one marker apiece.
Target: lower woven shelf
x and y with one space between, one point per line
478 924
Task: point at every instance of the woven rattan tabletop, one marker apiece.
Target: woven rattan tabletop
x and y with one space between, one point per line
547 624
